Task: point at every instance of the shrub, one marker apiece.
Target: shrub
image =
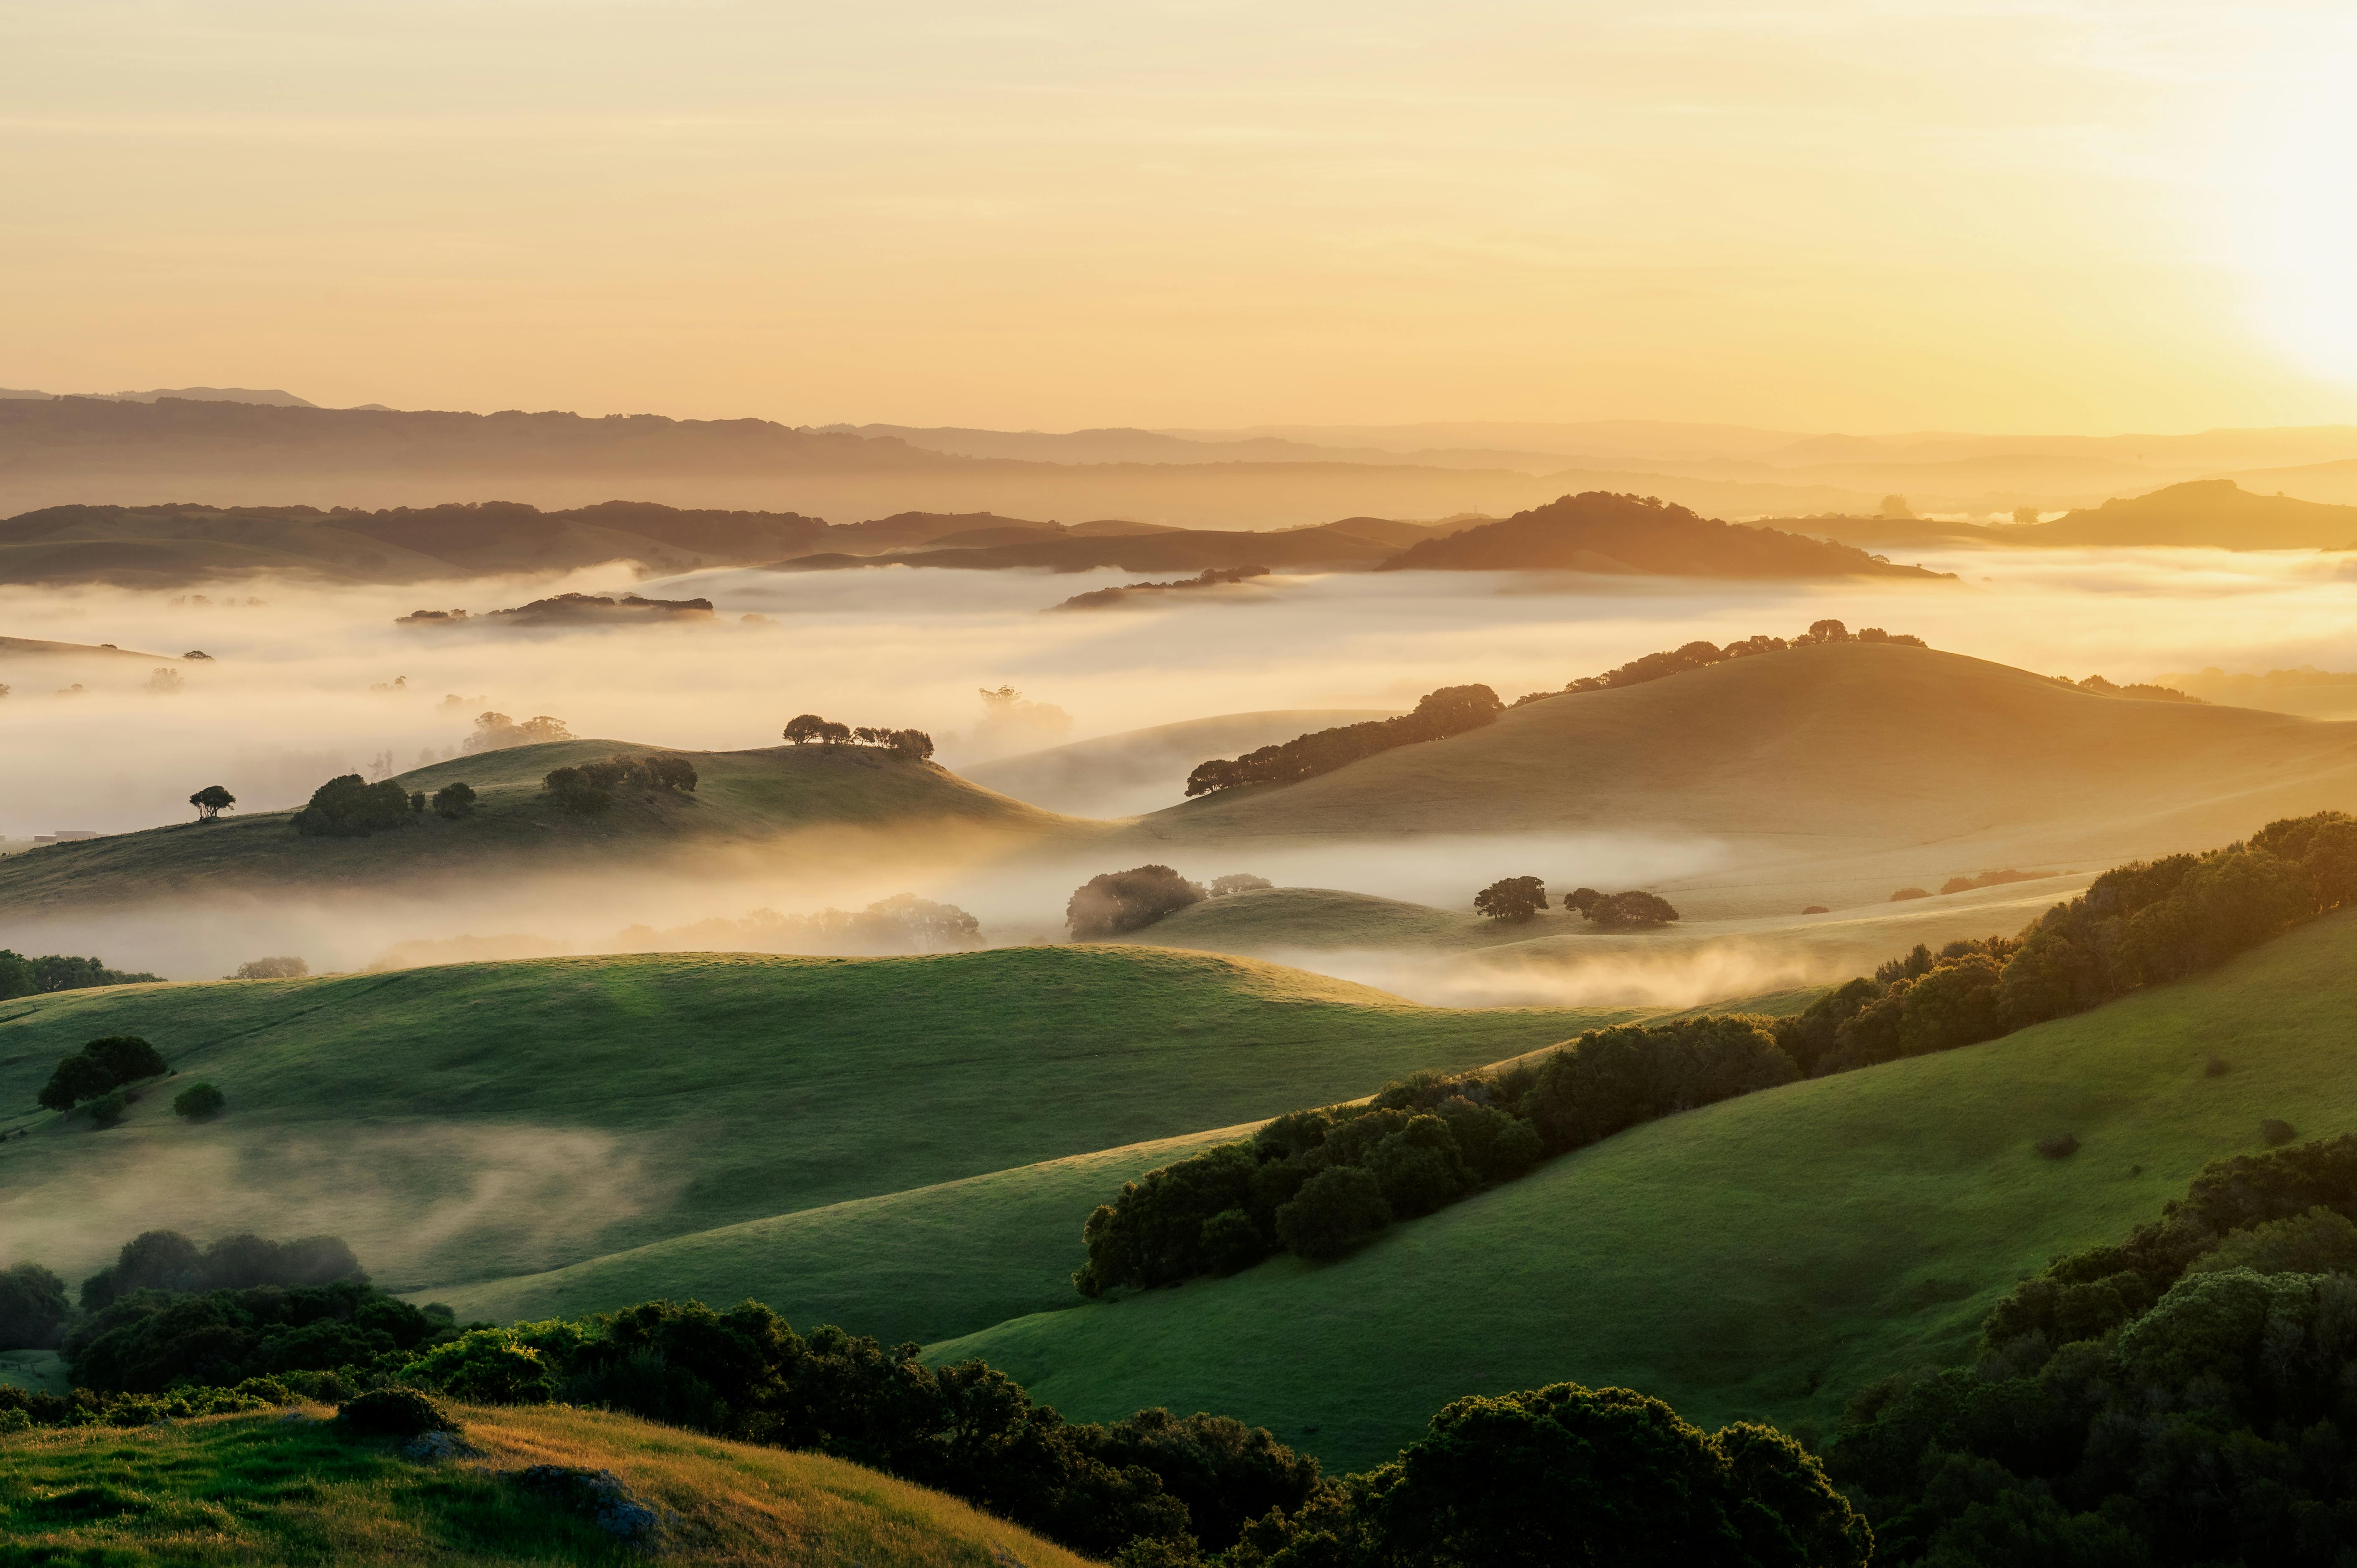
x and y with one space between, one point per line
485 1366
1121 901
1513 900
1906 893
287 967
454 801
108 1109
2061 1146
349 807
2274 1134
1334 1211
1817 909
199 1103
393 1412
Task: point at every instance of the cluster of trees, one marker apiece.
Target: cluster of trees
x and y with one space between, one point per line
22 976
150 1270
2140 690
2137 925
2182 1397
1515 900
284 967
590 789
1317 1182
804 728
100 1068
349 807
497 732
1451 710
1701 655
1115 903
454 801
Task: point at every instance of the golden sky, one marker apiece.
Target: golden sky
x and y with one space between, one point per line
2014 216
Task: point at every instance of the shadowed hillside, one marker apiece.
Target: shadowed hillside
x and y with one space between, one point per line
1766 1256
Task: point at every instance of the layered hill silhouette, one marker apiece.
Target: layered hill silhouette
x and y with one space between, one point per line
1142 770
1165 550
757 803
1840 746
2216 513
1600 531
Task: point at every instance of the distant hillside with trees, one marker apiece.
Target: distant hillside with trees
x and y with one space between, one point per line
1598 531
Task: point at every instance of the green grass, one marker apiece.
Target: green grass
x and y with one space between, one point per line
1764 1256
477 1122
756 801
931 1262
264 1489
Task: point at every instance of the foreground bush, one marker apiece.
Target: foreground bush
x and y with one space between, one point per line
393 1412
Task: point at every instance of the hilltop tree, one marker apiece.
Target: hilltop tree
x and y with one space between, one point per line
1238 882
1512 900
804 728
1827 631
1122 901
912 743
1631 912
497 732
211 802
284 967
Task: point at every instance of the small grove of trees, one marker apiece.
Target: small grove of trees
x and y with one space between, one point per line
1116 902
284 967
349 807
1420 1144
590 787
100 1068
497 732
22 976
454 801
2178 1396
169 1260
804 728
1512 900
33 1307
1451 710
1632 912
1702 655
211 802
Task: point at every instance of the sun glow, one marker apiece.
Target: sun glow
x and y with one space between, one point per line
2297 221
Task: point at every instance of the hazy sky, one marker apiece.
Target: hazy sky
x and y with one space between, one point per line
1822 214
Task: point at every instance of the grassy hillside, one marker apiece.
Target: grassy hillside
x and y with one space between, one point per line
746 800
1765 1256
2216 514
1818 752
269 1489
1142 770
480 1120
924 1263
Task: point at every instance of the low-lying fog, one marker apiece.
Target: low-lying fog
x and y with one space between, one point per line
306 682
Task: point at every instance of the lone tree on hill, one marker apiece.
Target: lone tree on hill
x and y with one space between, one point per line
1513 899
912 743
211 802
1631 912
454 801
1122 901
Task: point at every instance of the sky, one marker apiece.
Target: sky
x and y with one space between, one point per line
1866 215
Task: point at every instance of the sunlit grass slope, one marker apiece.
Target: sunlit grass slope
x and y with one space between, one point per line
744 801
478 1121
261 1489
933 1261
1766 1256
1857 743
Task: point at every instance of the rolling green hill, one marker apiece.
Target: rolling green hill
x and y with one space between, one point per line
1142 770
1799 759
747 801
477 1122
1765 1256
263 1489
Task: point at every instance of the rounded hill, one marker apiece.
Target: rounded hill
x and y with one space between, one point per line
757 801
1861 743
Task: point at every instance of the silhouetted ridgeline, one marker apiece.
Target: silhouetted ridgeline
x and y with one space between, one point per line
1318 1182
1600 531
